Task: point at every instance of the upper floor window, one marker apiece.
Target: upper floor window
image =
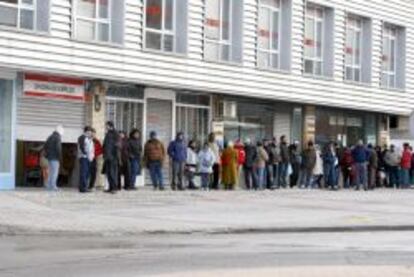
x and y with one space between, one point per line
166 25
393 51
313 44
223 30
268 41
99 20
25 14
358 49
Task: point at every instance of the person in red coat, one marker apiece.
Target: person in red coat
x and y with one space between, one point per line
97 163
406 166
346 163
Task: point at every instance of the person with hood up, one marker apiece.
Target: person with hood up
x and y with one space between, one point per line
53 154
248 167
229 161
86 153
135 153
205 161
111 156
177 150
154 157
191 164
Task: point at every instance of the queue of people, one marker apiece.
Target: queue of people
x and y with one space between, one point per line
267 164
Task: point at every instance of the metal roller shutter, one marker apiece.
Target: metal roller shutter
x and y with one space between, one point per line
37 118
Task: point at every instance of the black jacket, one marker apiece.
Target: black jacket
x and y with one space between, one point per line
134 149
53 147
111 146
284 153
251 155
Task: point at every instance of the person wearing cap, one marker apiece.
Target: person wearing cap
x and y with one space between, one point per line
111 159
154 157
53 154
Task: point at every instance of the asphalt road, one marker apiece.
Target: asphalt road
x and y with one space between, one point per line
179 255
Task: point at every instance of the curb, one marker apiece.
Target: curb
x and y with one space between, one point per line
7 230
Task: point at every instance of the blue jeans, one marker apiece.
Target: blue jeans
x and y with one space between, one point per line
275 173
84 170
261 177
53 175
394 173
405 178
330 174
135 171
307 175
361 175
205 180
283 167
155 169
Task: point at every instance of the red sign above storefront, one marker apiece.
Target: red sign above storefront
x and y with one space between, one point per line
57 87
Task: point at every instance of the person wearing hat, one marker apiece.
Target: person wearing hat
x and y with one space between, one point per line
154 157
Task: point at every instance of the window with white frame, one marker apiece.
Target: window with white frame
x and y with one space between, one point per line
314 40
222 30
99 20
25 14
389 57
268 37
166 25
353 49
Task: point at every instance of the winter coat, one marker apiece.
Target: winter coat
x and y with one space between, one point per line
406 159
192 160
215 150
86 149
309 158
98 147
111 146
284 153
373 159
392 158
154 151
360 154
177 150
274 158
346 159
53 147
329 158
134 149
262 157
251 155
229 163
206 161
318 169
294 156
241 154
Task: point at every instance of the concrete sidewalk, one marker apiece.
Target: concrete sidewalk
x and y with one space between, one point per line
146 211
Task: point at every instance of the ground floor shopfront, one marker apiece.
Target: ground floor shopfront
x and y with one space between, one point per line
32 105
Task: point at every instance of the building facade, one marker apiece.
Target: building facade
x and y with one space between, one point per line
323 70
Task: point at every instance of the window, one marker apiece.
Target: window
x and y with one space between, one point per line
223 30
99 20
165 25
393 57
314 40
268 42
25 14
353 49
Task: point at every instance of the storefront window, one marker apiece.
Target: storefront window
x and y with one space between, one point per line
6 100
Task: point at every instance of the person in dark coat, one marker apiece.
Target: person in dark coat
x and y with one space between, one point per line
346 164
308 163
111 159
53 153
372 167
360 154
123 158
296 161
177 150
135 156
329 163
284 162
248 167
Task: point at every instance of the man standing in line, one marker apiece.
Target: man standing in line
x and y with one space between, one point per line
248 167
405 166
309 162
372 167
177 150
86 153
360 156
154 156
110 147
53 153
97 163
392 160
284 161
214 148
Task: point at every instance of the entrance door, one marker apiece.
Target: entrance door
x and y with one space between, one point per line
160 120
6 135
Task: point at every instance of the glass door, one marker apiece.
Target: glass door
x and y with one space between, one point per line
6 134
